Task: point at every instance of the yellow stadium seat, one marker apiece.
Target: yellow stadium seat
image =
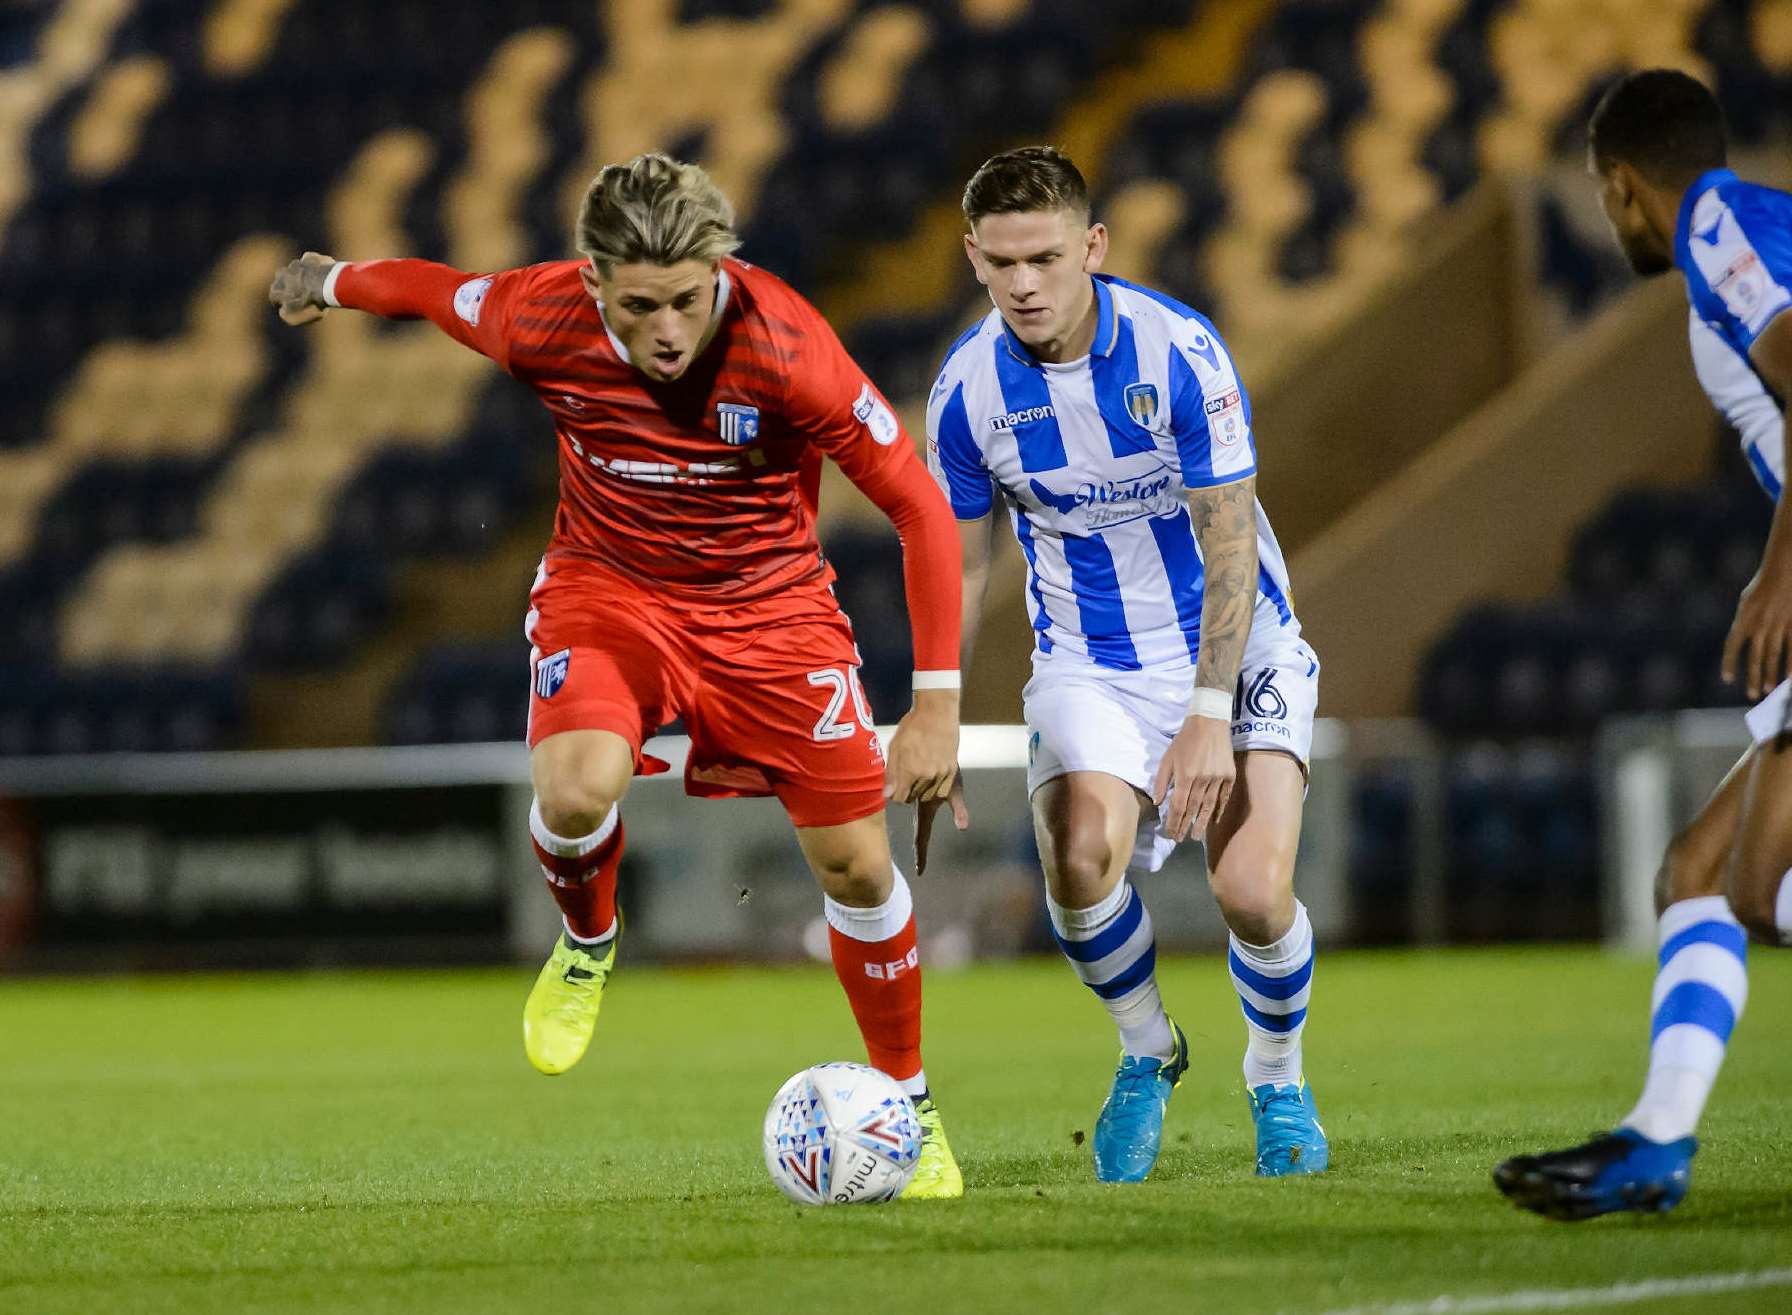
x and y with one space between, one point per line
106 130
1141 216
729 71
861 82
1511 144
1284 106
73 44
363 388
1771 27
240 33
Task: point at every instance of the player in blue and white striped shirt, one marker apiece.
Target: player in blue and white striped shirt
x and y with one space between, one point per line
1172 695
1657 147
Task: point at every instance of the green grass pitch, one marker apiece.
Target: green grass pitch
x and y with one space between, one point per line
375 1142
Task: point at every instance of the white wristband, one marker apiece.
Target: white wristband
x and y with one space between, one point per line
937 680
330 282
1215 703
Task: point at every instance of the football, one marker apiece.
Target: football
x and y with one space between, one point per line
841 1134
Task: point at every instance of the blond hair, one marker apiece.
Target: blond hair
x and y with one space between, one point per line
655 210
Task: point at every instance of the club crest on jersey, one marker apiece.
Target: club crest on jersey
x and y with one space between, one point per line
550 673
738 425
1141 403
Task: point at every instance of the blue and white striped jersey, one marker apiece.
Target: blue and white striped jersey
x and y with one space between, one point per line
1094 459
1737 391
1733 242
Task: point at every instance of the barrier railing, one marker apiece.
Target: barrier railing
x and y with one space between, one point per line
421 854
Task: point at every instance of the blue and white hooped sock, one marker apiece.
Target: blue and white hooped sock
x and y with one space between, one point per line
1274 983
1700 988
1114 950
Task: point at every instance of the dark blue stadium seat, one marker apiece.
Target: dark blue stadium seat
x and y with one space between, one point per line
1320 37
320 608
1584 274
1757 103
1381 857
461 693
1652 586
1523 834
122 709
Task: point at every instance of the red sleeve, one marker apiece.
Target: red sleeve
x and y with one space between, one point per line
473 309
829 399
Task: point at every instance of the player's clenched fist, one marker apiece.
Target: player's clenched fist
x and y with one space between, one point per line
298 289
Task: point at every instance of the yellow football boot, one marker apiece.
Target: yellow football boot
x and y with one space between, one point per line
936 1175
562 1008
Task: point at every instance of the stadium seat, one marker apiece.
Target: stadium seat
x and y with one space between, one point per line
163 438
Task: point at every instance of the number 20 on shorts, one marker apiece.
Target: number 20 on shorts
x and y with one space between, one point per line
842 683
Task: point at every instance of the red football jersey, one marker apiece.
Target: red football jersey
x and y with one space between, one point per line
703 487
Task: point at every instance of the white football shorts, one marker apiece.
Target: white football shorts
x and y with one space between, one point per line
1772 716
1087 718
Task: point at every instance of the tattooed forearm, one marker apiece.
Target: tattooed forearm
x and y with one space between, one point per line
1226 528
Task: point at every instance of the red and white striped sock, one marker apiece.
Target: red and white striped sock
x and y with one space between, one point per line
581 873
879 966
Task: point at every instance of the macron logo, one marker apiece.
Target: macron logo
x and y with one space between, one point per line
1023 417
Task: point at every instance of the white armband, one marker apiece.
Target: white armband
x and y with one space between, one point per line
1215 703
330 282
937 680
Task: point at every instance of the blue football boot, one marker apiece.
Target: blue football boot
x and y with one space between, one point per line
1289 1138
1620 1170
1130 1130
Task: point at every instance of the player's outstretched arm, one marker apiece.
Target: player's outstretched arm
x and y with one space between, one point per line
473 309
974 540
1756 649
1198 770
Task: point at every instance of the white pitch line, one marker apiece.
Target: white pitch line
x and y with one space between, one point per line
1618 1294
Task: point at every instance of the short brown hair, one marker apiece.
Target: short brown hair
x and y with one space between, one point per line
1019 181
654 210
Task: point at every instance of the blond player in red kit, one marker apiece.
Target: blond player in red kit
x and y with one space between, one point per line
694 396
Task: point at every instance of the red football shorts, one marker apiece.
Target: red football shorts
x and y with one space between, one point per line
769 691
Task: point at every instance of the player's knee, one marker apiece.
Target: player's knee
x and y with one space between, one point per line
1258 918
1081 863
575 803
1255 895
1688 871
855 880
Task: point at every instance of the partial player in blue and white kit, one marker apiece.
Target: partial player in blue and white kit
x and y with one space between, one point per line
1657 147
1172 695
